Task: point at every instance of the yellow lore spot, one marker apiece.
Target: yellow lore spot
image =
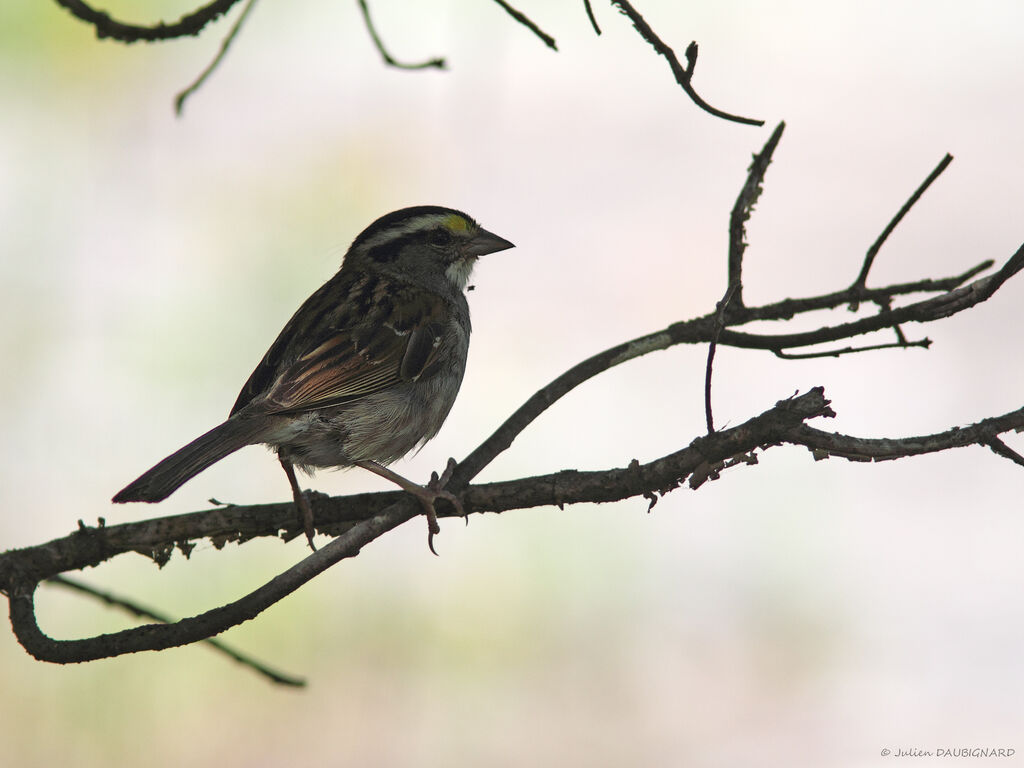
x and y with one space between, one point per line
456 223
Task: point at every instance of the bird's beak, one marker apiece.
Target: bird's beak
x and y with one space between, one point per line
484 242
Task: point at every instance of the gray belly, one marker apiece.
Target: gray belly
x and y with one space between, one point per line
381 427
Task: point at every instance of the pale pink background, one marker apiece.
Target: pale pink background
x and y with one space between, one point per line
793 613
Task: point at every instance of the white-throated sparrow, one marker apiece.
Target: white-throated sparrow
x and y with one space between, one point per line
365 371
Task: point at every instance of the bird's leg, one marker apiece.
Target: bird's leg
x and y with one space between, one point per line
301 502
438 483
427 494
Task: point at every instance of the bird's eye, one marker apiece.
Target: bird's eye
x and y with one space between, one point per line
439 238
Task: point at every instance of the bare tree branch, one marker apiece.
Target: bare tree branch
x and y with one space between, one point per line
147 613
982 433
158 538
151 637
179 101
899 344
682 75
705 458
523 19
742 209
928 310
869 258
702 330
189 25
590 15
723 306
193 23
1002 449
435 63
659 476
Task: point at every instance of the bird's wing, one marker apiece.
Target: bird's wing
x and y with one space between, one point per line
347 342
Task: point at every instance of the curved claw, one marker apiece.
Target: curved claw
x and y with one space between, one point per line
431 493
427 494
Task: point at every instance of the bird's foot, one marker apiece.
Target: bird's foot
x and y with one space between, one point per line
436 490
426 494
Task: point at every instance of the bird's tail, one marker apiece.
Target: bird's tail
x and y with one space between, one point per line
181 466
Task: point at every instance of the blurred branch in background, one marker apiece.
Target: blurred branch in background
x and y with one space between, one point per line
142 612
435 63
179 100
193 23
188 25
357 520
525 20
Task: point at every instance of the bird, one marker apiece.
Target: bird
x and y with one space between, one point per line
365 371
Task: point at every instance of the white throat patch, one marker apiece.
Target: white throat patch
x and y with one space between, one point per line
458 272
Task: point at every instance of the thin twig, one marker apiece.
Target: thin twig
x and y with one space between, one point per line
927 310
519 16
925 343
106 27
980 433
436 63
742 208
789 308
681 75
590 15
179 101
869 258
732 291
146 613
1002 449
691 59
